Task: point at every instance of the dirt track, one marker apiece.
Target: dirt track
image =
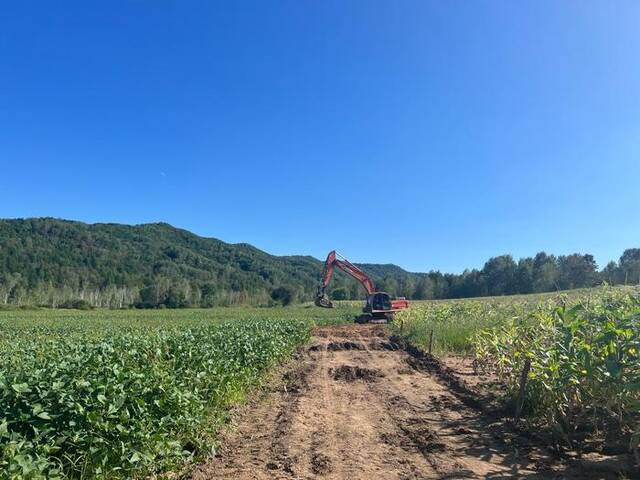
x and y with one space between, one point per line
354 406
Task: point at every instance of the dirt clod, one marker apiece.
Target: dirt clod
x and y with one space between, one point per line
320 464
339 346
349 373
382 345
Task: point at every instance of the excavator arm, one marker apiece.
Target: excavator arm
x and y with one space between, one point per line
335 260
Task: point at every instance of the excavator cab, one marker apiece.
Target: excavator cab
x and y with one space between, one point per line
380 306
378 302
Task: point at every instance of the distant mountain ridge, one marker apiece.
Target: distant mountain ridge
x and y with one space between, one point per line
50 261
53 262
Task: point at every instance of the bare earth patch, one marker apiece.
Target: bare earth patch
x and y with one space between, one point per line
355 405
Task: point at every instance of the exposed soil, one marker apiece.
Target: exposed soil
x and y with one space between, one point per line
350 373
358 405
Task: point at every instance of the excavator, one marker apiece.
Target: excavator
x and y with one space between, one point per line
380 307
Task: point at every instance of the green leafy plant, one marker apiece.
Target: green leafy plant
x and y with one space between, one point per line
585 365
113 398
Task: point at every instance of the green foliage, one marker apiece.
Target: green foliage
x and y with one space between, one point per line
53 262
339 294
628 271
454 323
500 273
49 262
128 393
76 304
585 362
583 348
284 295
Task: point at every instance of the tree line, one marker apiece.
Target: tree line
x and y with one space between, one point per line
502 275
59 263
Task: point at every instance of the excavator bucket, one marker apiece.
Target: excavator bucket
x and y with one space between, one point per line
323 301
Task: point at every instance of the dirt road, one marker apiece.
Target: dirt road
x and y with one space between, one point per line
355 406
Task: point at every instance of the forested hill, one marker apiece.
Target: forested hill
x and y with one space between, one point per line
52 262
48 261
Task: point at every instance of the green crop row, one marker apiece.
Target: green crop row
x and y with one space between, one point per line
582 348
111 398
451 325
102 320
584 358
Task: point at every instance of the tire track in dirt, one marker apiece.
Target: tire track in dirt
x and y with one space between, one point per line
414 428
319 413
354 405
423 411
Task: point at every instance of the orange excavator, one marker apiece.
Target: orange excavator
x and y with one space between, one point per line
379 305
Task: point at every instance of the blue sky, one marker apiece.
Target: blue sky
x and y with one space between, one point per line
430 134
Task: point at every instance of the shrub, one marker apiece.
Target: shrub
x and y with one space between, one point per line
339 294
77 305
284 295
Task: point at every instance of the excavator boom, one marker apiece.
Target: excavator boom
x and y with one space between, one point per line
336 260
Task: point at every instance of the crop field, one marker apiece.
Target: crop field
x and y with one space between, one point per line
110 393
456 323
580 354
138 393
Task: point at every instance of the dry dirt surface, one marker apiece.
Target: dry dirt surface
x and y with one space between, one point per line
354 405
